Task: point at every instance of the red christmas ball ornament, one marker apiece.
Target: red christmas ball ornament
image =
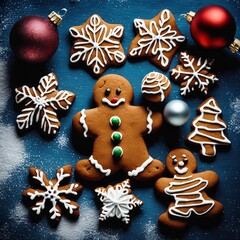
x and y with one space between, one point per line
213 27
35 39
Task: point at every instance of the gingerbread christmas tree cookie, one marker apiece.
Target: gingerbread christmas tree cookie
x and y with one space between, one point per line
53 193
208 128
97 44
39 105
117 128
117 201
187 191
193 74
157 39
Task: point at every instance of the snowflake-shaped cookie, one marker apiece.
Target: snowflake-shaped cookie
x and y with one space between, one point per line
51 192
97 44
193 74
40 104
117 201
158 39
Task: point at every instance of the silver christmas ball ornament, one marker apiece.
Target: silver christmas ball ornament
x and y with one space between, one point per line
176 112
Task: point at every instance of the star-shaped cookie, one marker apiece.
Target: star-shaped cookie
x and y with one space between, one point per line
157 39
40 104
54 193
193 74
117 201
97 44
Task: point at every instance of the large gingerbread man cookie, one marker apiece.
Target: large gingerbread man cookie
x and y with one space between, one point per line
117 128
187 191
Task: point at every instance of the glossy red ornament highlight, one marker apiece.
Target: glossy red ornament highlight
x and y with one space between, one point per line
34 39
213 27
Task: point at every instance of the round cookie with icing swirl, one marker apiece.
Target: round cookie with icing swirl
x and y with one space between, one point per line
117 128
187 191
155 87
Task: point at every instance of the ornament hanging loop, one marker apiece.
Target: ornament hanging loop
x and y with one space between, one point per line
63 12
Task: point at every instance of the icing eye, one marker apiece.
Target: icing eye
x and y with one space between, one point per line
174 160
107 92
118 91
185 160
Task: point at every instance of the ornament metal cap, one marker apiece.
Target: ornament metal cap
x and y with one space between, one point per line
235 46
189 16
56 18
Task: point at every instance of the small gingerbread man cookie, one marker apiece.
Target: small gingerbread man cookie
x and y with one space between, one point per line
97 44
157 39
187 191
117 129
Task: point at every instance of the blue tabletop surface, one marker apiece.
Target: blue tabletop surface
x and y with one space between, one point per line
18 153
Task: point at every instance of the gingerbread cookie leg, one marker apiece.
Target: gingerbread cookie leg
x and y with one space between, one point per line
149 170
169 222
86 170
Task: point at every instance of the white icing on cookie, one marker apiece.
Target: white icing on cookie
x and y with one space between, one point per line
155 83
182 192
83 122
140 169
201 130
117 201
116 104
98 166
53 194
97 45
157 38
149 121
181 170
39 107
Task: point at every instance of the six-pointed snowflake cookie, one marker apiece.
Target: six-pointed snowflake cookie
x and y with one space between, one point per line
54 193
193 74
40 104
158 39
97 44
117 201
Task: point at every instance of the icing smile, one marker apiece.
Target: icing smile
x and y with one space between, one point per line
114 101
181 170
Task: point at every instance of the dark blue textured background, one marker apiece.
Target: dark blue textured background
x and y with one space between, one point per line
17 153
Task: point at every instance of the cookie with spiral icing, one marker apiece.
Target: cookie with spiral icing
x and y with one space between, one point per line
155 87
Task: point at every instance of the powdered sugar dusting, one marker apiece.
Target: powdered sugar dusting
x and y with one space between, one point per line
151 231
234 124
86 227
62 140
19 214
12 151
5 91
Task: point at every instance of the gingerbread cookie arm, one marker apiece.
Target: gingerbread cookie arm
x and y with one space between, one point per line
156 121
80 122
209 176
161 184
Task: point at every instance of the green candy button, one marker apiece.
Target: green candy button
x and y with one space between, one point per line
117 152
115 121
116 137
